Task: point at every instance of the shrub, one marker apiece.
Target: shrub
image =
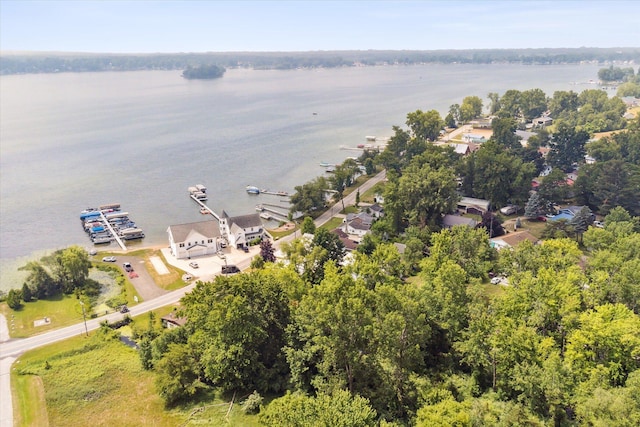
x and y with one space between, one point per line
252 403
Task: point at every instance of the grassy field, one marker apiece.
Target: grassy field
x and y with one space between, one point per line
333 223
61 311
98 381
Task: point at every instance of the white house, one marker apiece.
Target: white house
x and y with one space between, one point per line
473 137
472 205
241 230
194 239
376 210
357 224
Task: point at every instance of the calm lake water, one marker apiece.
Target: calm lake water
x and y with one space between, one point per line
71 141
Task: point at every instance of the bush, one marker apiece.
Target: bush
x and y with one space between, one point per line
14 299
252 403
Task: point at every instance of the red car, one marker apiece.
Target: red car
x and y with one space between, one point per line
541 218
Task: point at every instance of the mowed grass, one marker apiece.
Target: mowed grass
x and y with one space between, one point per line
98 381
63 310
172 280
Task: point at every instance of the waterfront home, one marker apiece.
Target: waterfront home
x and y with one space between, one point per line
194 239
357 224
462 149
241 230
542 122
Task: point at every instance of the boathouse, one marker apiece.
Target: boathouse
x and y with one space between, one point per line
194 239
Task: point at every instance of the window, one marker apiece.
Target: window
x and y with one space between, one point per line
182 245
209 241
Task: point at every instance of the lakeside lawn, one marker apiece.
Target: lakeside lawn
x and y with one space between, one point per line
63 310
99 381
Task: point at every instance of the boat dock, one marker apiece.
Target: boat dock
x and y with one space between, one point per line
203 206
265 207
275 193
108 223
113 232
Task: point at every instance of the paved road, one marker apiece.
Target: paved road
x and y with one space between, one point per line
11 349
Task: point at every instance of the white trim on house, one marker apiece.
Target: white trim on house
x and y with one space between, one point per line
194 239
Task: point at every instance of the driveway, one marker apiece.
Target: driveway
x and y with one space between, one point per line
144 284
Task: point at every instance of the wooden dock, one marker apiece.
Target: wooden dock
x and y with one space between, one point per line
113 232
275 193
275 212
203 206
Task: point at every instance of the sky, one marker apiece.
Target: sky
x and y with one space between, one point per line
295 25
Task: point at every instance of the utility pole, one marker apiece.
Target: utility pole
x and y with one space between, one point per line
84 317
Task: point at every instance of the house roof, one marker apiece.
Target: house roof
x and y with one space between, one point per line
475 203
514 239
172 318
246 221
180 232
360 224
460 148
349 244
453 220
376 208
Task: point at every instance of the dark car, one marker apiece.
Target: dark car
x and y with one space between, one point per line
246 248
230 269
127 267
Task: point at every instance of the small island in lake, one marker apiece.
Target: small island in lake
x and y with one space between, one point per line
203 72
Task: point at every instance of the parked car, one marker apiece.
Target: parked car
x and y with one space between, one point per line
541 218
193 264
124 309
496 280
109 259
509 210
598 224
230 269
246 249
127 266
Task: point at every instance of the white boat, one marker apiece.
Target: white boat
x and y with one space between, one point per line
265 215
259 208
253 190
326 164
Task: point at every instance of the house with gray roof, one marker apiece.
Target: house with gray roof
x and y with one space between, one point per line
357 224
241 230
194 239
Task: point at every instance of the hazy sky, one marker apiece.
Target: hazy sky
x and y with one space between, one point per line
201 26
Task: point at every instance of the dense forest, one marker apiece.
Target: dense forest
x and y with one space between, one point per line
418 336
38 62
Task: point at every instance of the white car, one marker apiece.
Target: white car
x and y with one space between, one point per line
496 280
193 264
109 259
598 224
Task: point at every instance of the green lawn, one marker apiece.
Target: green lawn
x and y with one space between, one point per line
332 224
98 381
63 310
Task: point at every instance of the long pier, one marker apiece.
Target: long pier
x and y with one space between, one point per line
275 193
113 232
202 205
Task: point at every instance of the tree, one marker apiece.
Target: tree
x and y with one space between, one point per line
266 251
308 226
567 147
491 224
494 106
504 134
533 206
581 221
533 103
27 295
425 126
470 109
562 103
310 196
176 379
14 299
237 326
553 187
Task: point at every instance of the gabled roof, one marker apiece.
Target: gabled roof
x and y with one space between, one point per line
376 208
208 229
349 244
360 224
246 221
514 239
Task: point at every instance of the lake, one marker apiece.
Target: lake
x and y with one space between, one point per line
71 141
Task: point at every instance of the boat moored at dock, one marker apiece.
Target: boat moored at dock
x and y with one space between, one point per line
252 190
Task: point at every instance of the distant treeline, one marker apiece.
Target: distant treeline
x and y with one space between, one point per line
77 62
